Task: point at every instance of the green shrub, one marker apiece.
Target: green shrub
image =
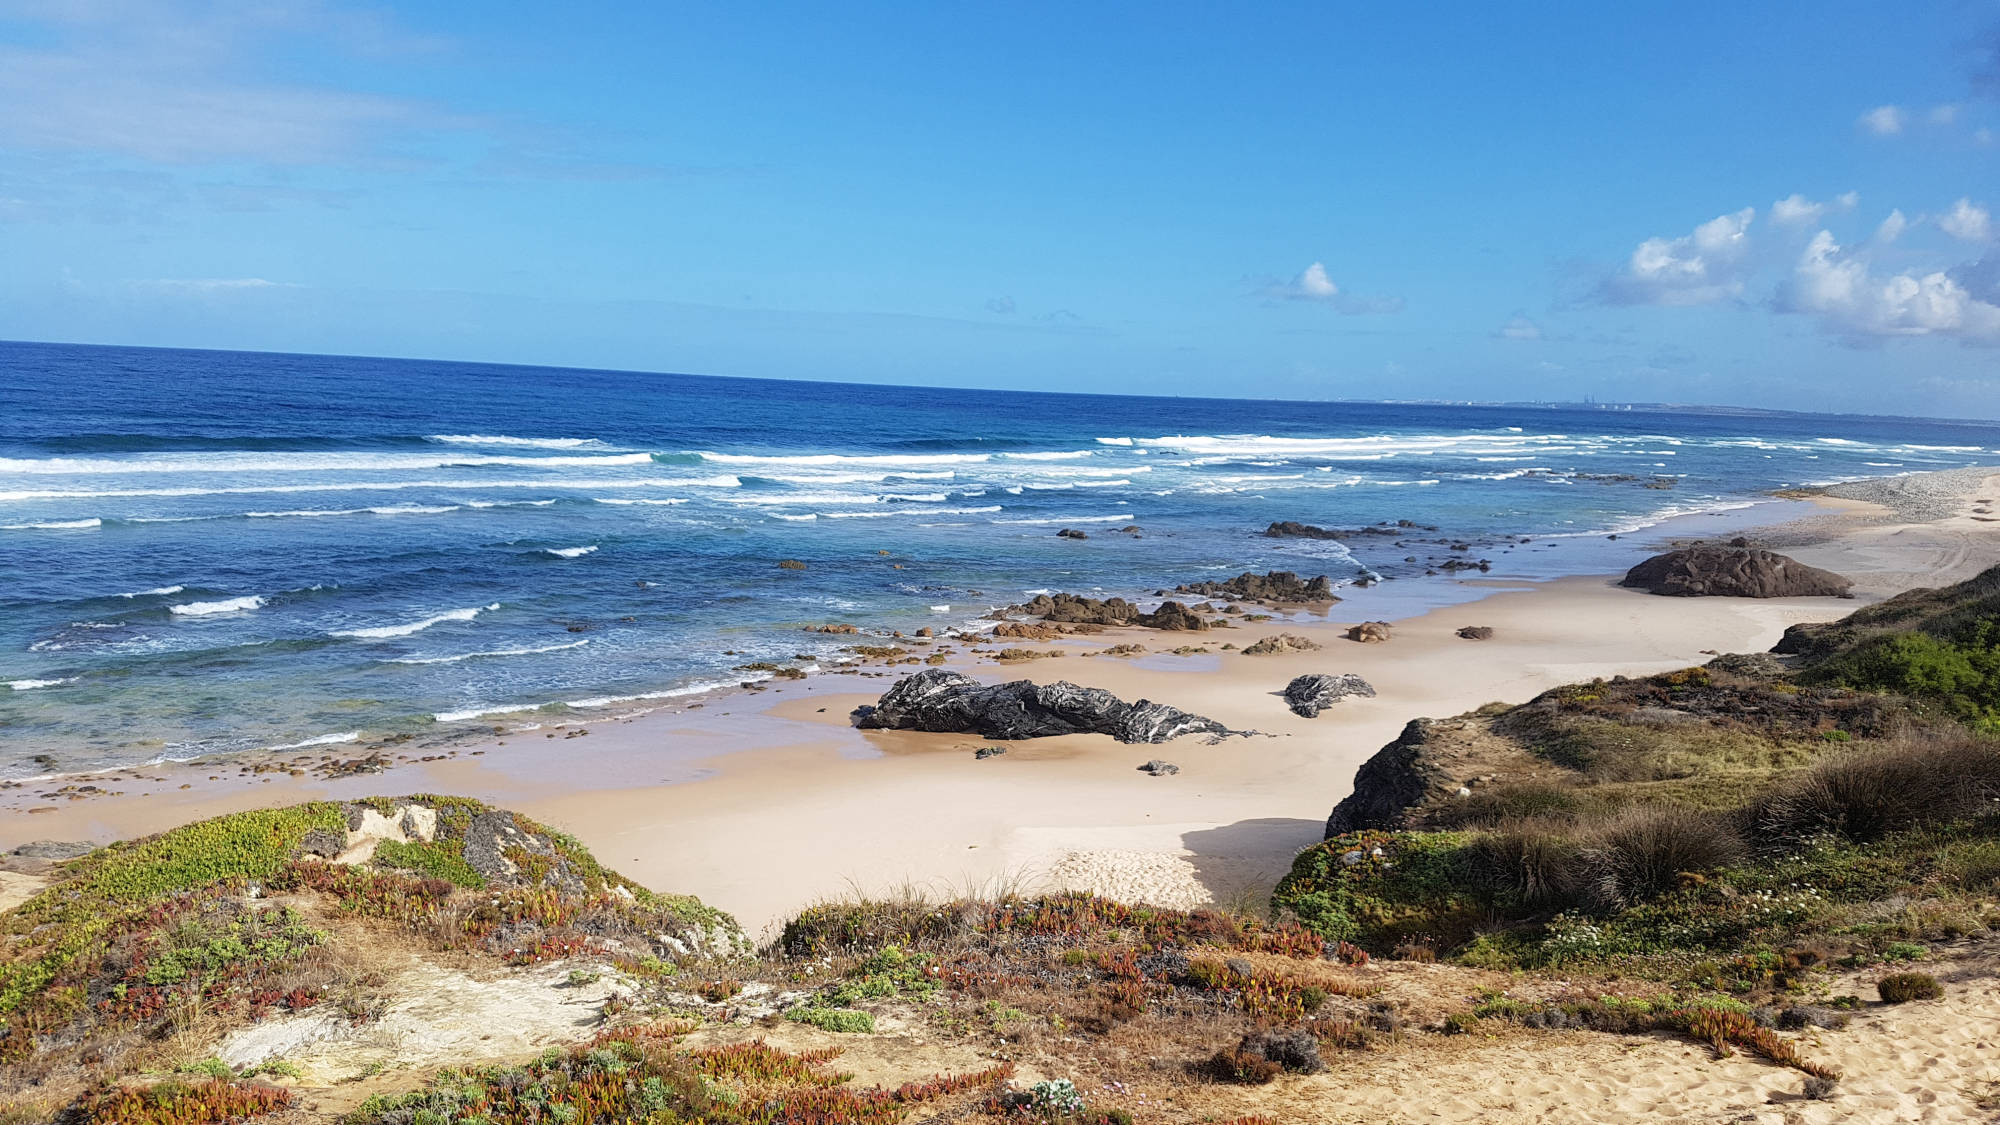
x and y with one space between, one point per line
1376 888
1961 674
846 1020
1866 794
441 858
1899 988
1645 851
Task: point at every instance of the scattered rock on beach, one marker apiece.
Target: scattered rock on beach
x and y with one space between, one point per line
1159 768
985 752
1027 631
1733 572
1369 632
1477 632
837 628
1308 695
1174 617
944 701
1282 643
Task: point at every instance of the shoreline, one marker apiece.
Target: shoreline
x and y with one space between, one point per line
762 802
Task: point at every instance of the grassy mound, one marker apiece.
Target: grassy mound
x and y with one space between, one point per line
228 920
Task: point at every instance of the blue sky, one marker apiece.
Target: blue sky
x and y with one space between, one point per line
1776 204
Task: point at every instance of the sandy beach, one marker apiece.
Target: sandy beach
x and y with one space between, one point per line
761 804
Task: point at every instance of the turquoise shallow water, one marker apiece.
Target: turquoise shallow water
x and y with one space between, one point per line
203 552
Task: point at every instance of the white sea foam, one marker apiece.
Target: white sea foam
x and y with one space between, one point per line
388 510
161 592
322 740
498 652
626 502
383 631
1074 519
1070 455
54 525
30 685
568 552
1114 441
893 512
226 605
480 711
364 486
297 462
508 503
527 442
846 459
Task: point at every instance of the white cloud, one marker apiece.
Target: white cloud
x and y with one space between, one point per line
1967 220
1892 227
1698 268
1850 301
1797 210
1315 285
1943 114
1002 305
1883 120
1519 327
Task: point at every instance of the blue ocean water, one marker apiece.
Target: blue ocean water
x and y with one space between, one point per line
204 552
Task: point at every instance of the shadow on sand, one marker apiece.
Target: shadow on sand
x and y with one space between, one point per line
1239 863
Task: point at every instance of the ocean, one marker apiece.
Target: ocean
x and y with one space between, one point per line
213 552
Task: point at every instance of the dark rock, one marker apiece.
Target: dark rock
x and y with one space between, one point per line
1477 632
1159 768
1396 779
790 564
492 834
1070 607
1172 616
53 849
941 700
1277 586
1731 572
1309 695
323 843
1071 533
985 752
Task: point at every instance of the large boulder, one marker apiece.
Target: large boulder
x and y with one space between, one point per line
1280 586
1080 610
1398 778
943 701
1734 572
1308 695
1174 617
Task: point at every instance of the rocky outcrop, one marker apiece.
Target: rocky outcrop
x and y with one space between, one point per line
1282 643
1071 608
1289 529
1027 631
1733 572
1281 586
948 702
1395 780
1369 632
1308 695
1173 617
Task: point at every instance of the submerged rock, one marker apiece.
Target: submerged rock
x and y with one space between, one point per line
944 701
1734 572
1310 694
1071 533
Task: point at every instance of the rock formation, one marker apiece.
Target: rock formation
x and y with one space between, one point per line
1282 643
1369 632
1732 572
1310 694
943 701
1278 586
1397 778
